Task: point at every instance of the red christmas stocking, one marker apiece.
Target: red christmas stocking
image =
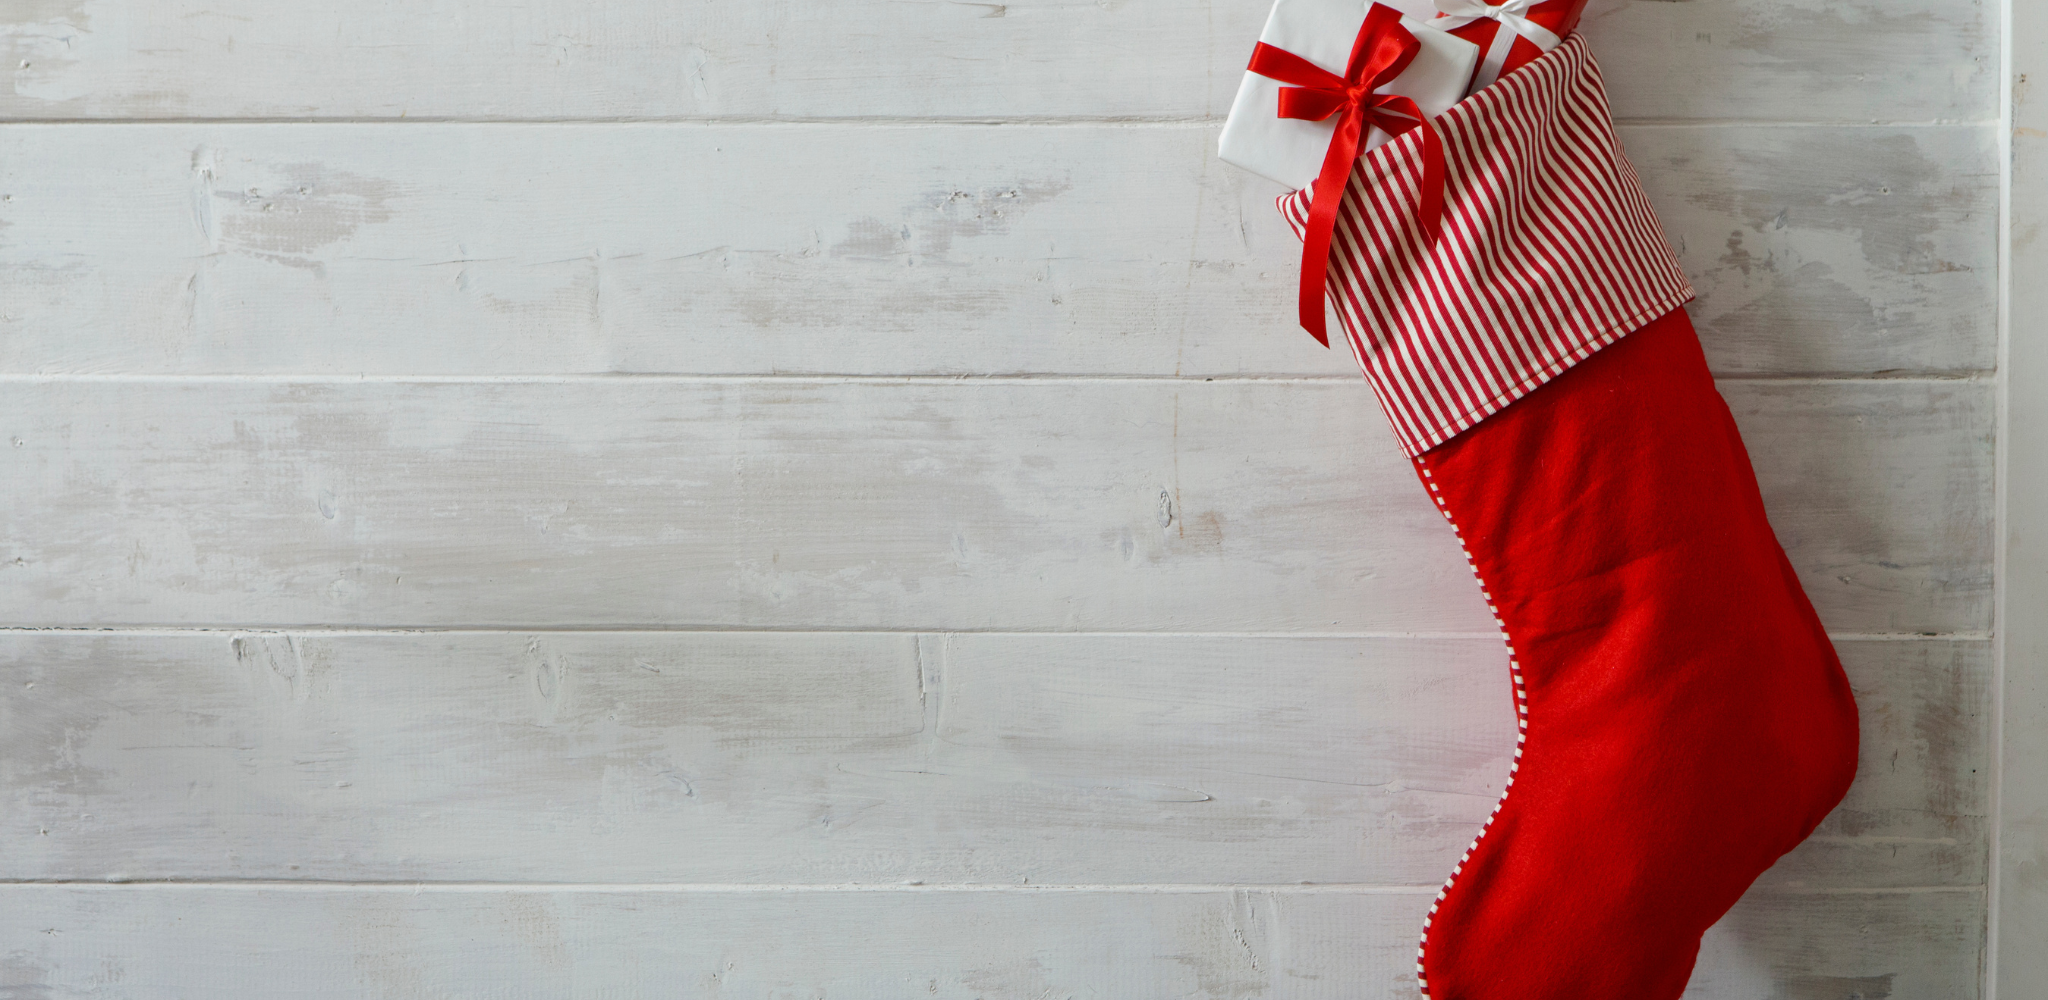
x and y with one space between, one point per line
1684 719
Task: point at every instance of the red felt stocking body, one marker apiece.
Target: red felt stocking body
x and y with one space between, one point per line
1684 719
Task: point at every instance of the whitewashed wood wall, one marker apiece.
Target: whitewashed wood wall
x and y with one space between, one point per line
540 498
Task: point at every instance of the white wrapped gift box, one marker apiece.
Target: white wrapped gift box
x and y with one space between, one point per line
1290 150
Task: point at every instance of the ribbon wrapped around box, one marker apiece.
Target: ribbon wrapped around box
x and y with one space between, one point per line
1300 122
1511 33
1324 32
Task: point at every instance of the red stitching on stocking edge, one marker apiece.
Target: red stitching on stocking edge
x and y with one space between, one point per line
1521 725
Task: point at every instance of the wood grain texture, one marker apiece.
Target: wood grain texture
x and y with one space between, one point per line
465 249
1019 505
313 59
830 758
1798 60
144 942
1832 251
1864 457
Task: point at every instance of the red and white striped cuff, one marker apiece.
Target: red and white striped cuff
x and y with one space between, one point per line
1549 251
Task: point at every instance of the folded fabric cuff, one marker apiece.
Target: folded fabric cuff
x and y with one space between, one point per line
1549 251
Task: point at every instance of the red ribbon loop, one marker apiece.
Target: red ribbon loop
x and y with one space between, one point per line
1384 48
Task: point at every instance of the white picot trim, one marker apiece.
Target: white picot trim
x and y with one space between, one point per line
1521 721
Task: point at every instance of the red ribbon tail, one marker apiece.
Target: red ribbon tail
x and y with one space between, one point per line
1322 226
1382 50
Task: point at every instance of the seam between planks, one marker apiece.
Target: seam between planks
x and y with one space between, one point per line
323 631
1160 888
972 121
40 378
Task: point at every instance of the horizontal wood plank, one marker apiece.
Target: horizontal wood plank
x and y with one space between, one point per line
1798 60
1837 460
827 758
151 942
1018 505
1825 251
1919 811
469 249
1911 60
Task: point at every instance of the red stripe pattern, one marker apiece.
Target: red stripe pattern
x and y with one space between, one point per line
1549 251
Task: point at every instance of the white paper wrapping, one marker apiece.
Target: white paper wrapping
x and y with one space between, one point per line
1290 150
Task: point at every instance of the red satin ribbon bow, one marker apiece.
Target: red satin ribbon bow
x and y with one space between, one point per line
1384 48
